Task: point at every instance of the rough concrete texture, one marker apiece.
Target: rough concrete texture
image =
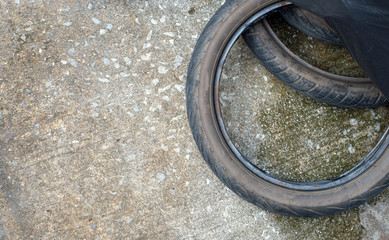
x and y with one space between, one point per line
94 140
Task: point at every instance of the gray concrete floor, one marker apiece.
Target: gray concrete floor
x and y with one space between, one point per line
94 140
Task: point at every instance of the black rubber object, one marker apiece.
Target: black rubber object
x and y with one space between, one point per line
301 199
310 24
309 80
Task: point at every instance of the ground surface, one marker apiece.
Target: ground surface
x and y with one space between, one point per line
94 140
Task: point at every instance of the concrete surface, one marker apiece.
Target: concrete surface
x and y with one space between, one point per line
94 140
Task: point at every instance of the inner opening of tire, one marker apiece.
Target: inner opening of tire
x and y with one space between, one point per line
289 135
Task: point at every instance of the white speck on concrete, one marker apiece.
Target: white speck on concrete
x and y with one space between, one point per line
103 31
48 84
166 98
149 35
153 21
163 19
162 70
67 24
73 62
71 51
178 61
28 29
179 88
351 149
64 62
310 143
164 147
109 26
161 90
147 45
353 121
96 21
104 80
176 118
125 74
106 61
155 81
170 34
64 9
161 177
90 6
146 57
127 60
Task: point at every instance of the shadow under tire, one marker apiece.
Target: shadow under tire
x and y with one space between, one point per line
300 199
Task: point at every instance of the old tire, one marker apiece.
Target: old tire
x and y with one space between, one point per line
301 199
313 82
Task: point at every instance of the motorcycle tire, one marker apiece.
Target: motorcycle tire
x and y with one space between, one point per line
310 24
338 90
301 199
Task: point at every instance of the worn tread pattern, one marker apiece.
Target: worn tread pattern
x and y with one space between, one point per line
219 164
274 58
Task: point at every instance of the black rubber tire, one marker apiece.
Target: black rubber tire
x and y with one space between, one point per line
311 81
313 199
310 24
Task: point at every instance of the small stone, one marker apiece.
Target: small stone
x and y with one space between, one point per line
353 121
164 147
178 61
179 87
73 62
162 70
104 80
103 31
109 26
170 34
351 149
96 21
149 35
107 61
161 177
90 6
71 51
